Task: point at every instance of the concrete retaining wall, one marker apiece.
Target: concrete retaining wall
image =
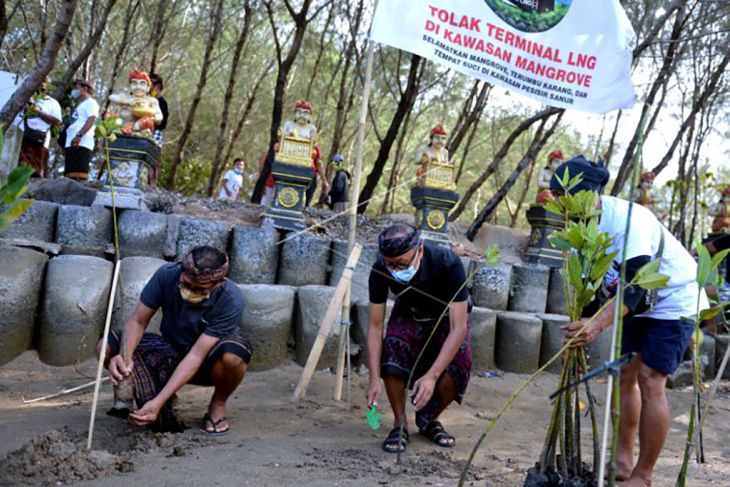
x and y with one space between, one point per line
281 276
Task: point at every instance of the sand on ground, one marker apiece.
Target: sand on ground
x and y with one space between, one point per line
318 441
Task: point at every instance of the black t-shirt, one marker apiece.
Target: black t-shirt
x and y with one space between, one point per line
183 322
340 187
163 108
439 280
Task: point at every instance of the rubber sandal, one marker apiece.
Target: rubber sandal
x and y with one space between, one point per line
435 432
395 442
216 432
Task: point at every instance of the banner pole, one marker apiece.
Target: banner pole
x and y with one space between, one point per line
354 203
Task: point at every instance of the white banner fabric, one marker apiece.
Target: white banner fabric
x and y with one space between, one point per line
565 53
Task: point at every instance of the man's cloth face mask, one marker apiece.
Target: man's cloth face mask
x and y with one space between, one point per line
75 93
192 297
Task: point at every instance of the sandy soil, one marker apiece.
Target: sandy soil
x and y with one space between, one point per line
276 443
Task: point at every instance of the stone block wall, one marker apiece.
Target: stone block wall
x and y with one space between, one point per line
56 304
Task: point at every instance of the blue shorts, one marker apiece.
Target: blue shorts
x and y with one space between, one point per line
661 343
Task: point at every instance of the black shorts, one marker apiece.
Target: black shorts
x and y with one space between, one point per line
77 162
661 343
156 349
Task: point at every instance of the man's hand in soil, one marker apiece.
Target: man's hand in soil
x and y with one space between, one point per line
119 369
422 391
591 332
146 414
373 392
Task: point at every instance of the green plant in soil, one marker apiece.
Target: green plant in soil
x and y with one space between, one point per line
585 262
11 192
706 274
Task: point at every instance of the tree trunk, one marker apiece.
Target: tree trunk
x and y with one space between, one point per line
697 105
158 32
216 24
46 61
523 194
661 79
3 22
282 77
467 149
218 163
393 177
470 116
405 104
538 142
130 26
92 41
245 112
612 141
320 51
523 127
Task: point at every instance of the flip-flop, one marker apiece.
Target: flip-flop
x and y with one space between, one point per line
396 442
216 432
435 432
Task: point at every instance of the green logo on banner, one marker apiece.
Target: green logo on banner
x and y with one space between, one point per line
530 15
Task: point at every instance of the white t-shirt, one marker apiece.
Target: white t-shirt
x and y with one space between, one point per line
84 110
234 182
679 298
47 105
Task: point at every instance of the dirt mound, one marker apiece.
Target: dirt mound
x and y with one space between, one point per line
59 456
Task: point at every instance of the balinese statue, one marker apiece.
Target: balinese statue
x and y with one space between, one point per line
136 109
544 195
301 127
721 212
646 185
435 169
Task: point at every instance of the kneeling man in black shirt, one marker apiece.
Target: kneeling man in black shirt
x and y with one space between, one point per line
199 341
428 333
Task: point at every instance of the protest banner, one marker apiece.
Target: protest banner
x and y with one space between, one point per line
565 53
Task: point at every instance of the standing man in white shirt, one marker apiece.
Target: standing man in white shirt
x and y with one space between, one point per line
654 325
42 113
80 134
232 181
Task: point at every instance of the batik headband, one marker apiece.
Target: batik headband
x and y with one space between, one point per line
395 246
204 276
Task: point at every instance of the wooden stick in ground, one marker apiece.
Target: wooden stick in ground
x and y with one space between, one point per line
342 349
102 354
326 325
63 392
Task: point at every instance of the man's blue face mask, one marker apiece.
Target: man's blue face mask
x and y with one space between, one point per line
404 275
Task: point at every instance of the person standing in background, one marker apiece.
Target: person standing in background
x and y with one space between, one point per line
232 181
80 133
41 114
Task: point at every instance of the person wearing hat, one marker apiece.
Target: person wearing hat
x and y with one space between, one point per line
654 325
340 186
199 341
433 152
430 320
41 114
80 133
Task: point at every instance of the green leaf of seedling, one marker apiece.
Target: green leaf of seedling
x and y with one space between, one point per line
374 418
559 242
601 266
648 268
554 207
16 184
575 278
8 216
718 258
708 314
492 257
656 280
704 264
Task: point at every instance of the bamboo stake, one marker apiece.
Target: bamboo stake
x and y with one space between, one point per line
326 325
102 355
63 392
354 203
